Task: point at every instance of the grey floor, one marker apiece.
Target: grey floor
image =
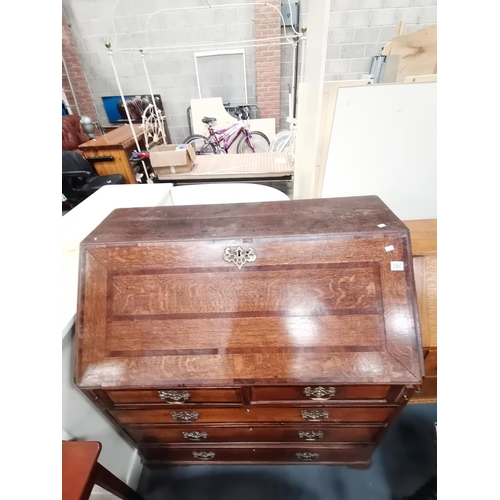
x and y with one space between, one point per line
403 462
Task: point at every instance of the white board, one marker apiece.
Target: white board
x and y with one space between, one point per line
383 143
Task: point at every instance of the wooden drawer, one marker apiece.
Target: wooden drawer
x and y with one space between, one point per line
175 396
263 434
260 454
259 414
325 393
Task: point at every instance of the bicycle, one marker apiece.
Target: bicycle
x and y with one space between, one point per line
285 139
219 141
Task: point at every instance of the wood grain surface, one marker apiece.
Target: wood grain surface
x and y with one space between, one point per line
325 300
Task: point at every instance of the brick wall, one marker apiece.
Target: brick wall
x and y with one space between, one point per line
76 74
267 59
358 30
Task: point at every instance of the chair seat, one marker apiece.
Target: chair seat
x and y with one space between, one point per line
105 180
207 120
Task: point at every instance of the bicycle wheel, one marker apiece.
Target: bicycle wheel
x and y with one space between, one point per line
200 144
254 142
282 140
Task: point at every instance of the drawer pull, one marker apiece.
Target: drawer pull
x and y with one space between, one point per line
307 456
319 393
195 436
314 415
238 256
204 455
185 416
174 397
311 435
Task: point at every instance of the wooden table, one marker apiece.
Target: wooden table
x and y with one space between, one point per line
234 167
423 235
81 471
120 144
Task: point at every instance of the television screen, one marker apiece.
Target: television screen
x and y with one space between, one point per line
136 104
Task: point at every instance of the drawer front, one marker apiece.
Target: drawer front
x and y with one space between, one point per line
175 396
295 454
196 415
263 434
324 393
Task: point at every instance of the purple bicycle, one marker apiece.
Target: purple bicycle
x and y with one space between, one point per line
219 141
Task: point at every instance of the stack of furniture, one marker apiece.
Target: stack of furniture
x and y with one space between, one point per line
281 332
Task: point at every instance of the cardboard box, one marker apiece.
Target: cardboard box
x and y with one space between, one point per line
166 160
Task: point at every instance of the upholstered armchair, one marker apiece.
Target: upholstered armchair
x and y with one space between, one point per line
72 133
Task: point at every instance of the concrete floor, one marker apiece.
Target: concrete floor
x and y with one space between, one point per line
403 462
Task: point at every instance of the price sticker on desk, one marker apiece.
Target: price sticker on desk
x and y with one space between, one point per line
397 265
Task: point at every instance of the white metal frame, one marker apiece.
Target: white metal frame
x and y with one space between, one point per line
221 53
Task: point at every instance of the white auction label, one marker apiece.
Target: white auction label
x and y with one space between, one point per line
397 265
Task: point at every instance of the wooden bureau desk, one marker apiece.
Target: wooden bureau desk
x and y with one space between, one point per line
255 333
119 144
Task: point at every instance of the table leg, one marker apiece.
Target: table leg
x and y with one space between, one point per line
111 483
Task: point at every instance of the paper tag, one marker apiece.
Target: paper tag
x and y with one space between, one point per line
172 169
389 248
397 265
381 225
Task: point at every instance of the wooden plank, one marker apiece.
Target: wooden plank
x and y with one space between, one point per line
401 28
423 235
420 78
418 53
391 68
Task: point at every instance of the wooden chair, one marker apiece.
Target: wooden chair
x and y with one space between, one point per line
81 471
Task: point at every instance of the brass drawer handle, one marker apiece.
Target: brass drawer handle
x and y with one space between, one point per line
311 435
175 397
238 256
320 393
185 416
314 415
195 436
307 456
204 455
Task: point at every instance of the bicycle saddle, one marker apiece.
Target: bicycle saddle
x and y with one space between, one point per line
207 120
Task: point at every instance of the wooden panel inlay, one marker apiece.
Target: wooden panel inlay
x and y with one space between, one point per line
317 291
234 335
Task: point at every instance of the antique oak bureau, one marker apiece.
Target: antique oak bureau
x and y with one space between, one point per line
272 333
